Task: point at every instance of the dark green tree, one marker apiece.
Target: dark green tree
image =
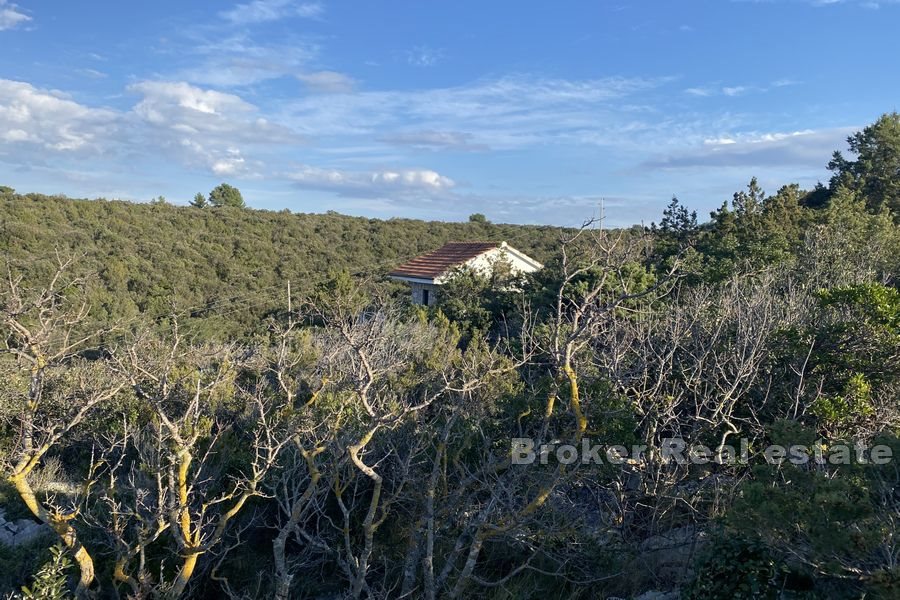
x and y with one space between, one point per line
226 195
876 171
719 244
748 204
478 218
782 224
675 234
755 231
677 221
199 201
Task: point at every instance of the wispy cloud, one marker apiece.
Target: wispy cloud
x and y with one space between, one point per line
424 56
372 183
224 134
509 112
872 4
11 16
436 140
737 90
239 60
93 73
328 82
205 128
425 193
805 149
263 11
784 83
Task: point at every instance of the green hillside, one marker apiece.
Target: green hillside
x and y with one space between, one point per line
149 258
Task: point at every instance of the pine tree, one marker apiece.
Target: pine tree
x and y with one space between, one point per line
226 195
199 201
876 171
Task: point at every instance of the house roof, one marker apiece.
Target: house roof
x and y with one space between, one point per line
432 265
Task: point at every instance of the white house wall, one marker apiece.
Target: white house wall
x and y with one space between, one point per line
484 263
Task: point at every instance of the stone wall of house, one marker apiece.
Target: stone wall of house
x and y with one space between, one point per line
418 289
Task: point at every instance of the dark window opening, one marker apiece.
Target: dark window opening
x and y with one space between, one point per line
425 297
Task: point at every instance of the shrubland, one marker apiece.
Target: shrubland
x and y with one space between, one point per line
208 441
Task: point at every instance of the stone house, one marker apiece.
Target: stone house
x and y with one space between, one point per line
428 272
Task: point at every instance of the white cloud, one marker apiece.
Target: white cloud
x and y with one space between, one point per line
327 82
738 90
510 112
10 16
424 56
205 127
93 73
236 60
48 120
784 83
435 140
362 184
232 164
809 149
734 91
873 4
168 94
262 11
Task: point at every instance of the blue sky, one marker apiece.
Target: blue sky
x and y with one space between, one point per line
529 112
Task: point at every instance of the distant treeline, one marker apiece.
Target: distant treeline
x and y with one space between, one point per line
225 266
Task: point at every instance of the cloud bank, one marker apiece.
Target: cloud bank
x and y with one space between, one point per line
11 16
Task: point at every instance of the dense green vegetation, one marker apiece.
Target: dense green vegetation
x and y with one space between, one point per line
186 435
223 266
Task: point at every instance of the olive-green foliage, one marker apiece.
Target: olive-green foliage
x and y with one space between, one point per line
857 347
199 200
838 412
754 231
478 303
738 568
792 506
226 195
876 303
50 581
875 172
225 268
19 563
807 529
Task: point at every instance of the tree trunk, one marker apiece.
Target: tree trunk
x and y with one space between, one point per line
62 527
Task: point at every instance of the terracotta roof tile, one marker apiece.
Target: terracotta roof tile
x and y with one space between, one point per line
437 262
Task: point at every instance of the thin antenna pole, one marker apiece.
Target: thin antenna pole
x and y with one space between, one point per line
290 308
602 213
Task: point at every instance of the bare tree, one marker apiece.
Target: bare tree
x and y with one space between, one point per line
189 495
51 388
